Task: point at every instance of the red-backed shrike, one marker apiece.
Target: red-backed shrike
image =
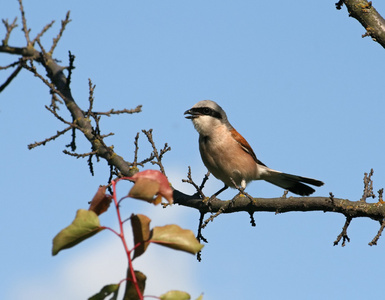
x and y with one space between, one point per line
227 155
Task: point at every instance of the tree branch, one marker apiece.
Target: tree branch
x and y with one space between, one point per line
350 209
59 85
368 16
354 209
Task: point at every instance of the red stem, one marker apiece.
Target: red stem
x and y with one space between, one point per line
121 235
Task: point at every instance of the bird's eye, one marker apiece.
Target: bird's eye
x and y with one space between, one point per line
207 111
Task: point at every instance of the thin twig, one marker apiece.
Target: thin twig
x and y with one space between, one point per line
200 237
376 238
54 100
344 234
59 133
11 77
43 53
102 136
138 109
155 150
252 220
136 144
77 155
44 30
10 65
70 68
72 145
90 164
368 187
204 180
339 4
24 21
213 216
9 28
91 88
60 118
57 38
191 181
46 82
380 196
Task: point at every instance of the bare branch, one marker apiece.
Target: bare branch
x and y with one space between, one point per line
136 144
353 209
10 78
59 86
42 143
70 68
138 109
368 186
54 101
77 155
368 16
10 65
44 30
155 152
24 21
200 237
380 196
8 28
60 118
58 37
252 220
376 238
344 233
33 70
198 188
91 88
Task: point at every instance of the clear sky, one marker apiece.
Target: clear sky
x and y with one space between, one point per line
296 80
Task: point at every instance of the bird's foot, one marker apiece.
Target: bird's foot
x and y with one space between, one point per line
208 201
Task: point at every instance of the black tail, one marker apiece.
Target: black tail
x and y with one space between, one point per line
293 183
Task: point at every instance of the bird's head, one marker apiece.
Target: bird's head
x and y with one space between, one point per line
207 115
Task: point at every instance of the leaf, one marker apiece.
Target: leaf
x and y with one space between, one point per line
130 292
175 295
150 183
101 201
106 291
174 237
146 189
200 297
85 225
141 230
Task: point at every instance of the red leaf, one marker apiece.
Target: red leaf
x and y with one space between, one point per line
141 230
150 183
101 201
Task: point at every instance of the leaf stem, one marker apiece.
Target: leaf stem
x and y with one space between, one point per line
122 237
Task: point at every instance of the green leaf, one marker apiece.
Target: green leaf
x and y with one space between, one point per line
175 295
141 230
200 297
174 237
85 225
106 291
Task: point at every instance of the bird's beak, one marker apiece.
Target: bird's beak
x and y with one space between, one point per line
192 114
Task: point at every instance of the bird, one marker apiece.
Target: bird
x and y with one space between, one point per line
229 157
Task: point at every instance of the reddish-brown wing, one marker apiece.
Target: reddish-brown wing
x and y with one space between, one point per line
245 145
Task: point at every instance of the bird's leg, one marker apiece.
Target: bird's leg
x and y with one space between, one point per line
215 195
241 190
220 191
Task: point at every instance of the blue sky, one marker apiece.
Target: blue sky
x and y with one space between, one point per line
296 80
